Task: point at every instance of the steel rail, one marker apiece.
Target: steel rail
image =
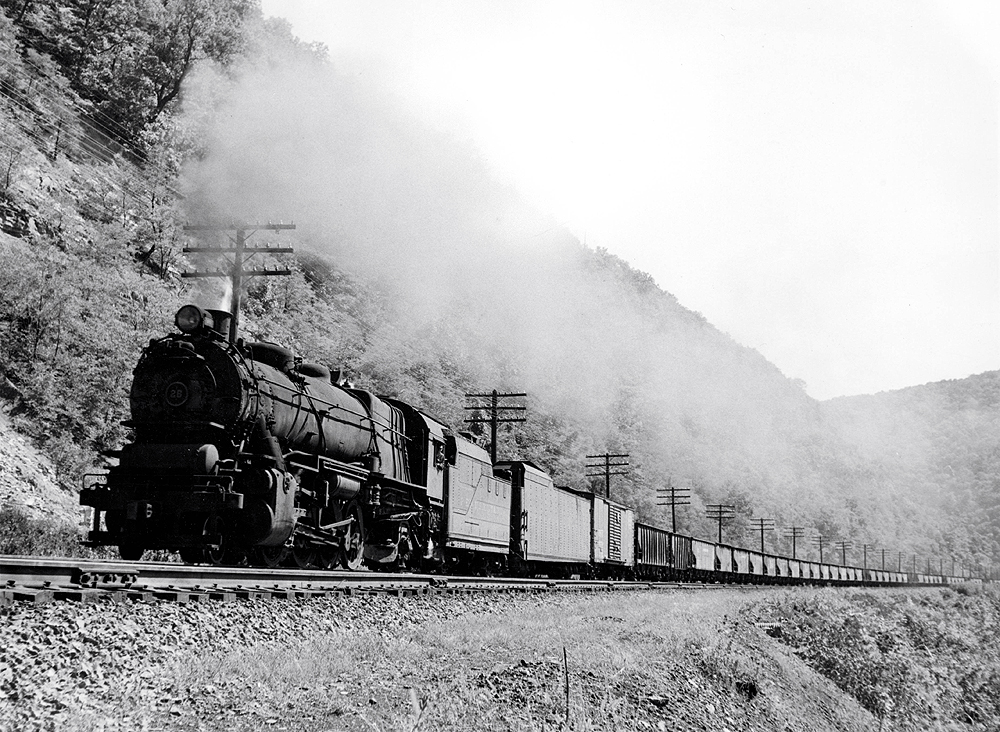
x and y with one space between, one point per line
35 579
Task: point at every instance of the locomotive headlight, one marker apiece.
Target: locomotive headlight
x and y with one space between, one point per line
191 317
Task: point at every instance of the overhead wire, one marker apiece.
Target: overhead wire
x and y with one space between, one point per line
73 123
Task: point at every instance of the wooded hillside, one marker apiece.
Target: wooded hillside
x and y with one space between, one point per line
416 272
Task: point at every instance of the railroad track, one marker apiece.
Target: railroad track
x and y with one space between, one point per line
32 579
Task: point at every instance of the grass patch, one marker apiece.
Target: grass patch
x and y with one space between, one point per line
22 535
632 661
920 659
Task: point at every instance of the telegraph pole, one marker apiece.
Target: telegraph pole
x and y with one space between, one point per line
762 525
494 407
884 552
674 497
240 254
606 470
865 548
720 512
820 541
795 533
843 546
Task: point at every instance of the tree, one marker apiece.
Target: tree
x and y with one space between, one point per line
131 58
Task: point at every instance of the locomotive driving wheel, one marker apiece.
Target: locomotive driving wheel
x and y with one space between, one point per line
303 553
352 553
271 556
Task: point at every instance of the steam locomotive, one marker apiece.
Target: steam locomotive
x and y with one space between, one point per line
245 454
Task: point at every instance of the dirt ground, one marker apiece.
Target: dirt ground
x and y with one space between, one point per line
671 660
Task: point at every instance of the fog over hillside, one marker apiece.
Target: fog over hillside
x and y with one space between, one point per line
472 273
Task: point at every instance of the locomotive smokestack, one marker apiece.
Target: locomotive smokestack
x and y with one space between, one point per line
221 324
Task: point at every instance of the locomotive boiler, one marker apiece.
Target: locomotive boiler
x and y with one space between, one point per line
243 453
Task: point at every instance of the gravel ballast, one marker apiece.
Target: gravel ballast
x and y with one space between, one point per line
67 665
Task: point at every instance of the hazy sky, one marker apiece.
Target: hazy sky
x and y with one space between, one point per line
820 181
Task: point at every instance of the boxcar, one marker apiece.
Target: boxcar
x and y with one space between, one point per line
794 568
550 527
613 548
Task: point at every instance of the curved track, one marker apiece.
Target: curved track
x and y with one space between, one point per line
32 579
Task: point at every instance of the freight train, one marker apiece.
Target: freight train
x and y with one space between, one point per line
245 454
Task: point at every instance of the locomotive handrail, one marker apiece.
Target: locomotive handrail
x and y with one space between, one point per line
379 424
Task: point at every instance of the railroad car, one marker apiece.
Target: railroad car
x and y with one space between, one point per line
550 526
654 554
756 567
704 558
244 453
613 548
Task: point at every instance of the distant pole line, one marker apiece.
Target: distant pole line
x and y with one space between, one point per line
899 562
762 525
240 253
843 546
493 409
865 548
795 533
606 466
720 512
673 497
820 541
884 552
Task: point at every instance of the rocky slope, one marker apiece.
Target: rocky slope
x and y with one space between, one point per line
28 480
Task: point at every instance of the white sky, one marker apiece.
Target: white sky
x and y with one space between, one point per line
820 181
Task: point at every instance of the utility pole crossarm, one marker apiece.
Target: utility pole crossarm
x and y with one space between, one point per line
719 512
677 497
795 533
240 252
605 468
246 273
494 408
762 525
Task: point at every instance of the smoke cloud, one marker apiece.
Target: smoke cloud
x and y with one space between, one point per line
418 212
